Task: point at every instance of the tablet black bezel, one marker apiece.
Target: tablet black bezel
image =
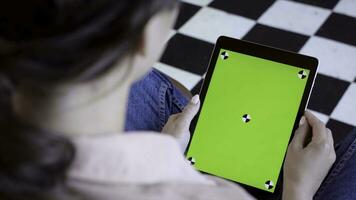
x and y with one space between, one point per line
269 53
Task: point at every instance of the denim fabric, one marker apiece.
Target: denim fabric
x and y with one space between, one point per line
151 101
340 184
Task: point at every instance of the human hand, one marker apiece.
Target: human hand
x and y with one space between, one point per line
178 124
309 158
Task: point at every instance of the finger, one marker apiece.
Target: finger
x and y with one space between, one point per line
301 134
189 111
319 129
332 149
330 137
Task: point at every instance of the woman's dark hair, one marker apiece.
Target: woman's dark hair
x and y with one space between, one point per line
46 42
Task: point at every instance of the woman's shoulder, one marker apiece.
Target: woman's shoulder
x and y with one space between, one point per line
171 190
143 165
143 157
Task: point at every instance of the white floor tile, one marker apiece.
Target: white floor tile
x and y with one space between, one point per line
209 23
296 17
346 7
199 2
345 111
189 80
321 116
335 59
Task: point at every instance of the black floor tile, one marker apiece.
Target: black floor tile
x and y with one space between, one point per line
276 38
186 12
247 8
327 93
321 3
339 129
339 27
188 53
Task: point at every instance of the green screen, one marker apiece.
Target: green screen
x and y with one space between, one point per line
247 119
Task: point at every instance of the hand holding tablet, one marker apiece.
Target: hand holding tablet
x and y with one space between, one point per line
252 100
309 158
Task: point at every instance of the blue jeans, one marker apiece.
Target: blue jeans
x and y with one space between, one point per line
340 184
153 99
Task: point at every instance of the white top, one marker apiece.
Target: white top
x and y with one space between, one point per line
142 166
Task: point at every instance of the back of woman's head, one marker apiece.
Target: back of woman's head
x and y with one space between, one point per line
46 42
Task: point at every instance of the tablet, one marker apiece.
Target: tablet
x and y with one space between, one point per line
252 100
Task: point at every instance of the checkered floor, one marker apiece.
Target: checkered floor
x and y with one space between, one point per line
325 29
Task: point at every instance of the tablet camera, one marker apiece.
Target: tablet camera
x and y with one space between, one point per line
302 74
269 185
246 118
224 55
191 160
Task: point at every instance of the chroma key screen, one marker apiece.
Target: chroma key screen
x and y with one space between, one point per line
247 119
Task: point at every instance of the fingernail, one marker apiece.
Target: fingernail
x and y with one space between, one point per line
195 99
302 121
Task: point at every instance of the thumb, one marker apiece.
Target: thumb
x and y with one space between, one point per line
190 111
301 134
